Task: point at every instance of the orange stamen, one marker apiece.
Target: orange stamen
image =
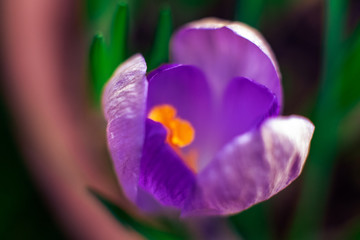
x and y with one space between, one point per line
180 133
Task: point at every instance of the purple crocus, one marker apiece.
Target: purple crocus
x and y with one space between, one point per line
203 134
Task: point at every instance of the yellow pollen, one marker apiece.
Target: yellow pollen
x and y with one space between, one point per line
180 133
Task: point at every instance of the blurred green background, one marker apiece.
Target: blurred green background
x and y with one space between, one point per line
317 44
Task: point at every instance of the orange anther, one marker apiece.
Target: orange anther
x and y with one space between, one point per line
180 133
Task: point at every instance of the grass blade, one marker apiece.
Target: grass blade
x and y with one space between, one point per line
349 84
99 72
119 33
160 51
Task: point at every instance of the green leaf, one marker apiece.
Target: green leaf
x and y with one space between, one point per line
248 222
99 72
349 82
318 170
148 231
249 11
119 33
95 8
160 51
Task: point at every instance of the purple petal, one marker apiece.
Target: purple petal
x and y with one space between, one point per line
224 50
185 87
160 69
124 104
146 202
245 105
253 167
126 90
163 174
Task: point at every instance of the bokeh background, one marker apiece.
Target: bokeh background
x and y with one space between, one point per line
53 147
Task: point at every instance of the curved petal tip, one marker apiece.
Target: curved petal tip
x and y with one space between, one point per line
124 105
128 77
239 28
224 50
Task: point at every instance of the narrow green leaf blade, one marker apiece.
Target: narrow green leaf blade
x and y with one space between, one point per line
98 66
349 82
160 51
119 33
95 8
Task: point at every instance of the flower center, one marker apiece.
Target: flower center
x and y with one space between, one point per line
180 133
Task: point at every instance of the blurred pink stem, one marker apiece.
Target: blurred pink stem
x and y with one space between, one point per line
44 62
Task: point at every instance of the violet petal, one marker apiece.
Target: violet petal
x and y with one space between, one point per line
224 50
253 167
245 105
124 103
163 173
186 88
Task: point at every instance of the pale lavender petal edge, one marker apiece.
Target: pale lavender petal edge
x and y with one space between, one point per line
240 29
125 93
124 105
253 167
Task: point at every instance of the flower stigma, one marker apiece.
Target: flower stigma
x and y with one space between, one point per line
180 132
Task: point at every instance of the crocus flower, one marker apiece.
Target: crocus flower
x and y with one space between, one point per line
203 134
